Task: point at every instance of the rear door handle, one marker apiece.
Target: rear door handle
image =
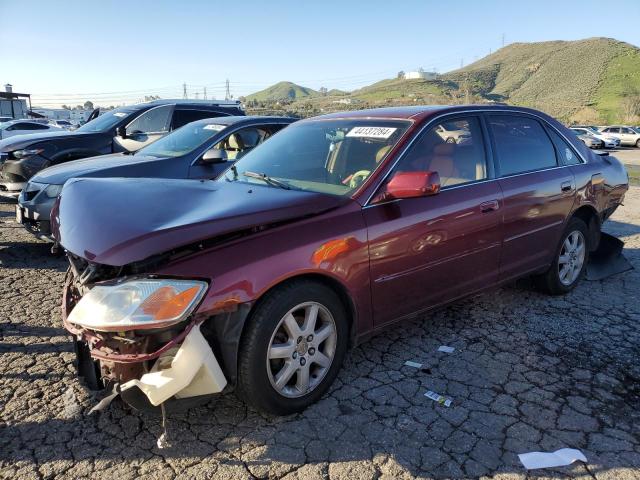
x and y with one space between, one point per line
566 186
490 206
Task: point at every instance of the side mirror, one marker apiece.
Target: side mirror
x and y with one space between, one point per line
411 185
214 155
121 132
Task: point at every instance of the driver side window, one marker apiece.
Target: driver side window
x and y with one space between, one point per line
156 120
453 148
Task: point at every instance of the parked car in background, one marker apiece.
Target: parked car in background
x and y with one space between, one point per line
607 141
590 141
627 135
125 129
336 227
23 127
200 150
66 124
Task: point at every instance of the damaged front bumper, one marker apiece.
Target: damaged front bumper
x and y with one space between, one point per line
182 368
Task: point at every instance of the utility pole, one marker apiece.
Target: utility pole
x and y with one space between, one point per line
197 95
461 63
204 93
184 91
503 39
227 95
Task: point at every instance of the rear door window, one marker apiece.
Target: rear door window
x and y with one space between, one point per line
182 117
565 153
521 144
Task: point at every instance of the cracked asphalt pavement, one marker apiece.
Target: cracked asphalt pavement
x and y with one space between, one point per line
529 372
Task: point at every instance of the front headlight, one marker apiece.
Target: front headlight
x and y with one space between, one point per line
52 191
137 304
19 154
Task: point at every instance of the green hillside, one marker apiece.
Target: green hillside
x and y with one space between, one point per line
584 78
282 91
596 80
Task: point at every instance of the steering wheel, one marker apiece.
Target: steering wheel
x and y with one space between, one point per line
358 177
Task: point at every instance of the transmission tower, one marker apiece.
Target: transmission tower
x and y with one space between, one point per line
204 93
184 91
227 95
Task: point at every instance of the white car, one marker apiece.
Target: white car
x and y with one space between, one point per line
627 135
66 124
20 127
608 141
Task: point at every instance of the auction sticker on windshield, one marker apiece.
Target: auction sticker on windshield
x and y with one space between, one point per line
371 132
213 126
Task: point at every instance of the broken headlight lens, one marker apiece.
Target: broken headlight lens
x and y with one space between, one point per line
137 304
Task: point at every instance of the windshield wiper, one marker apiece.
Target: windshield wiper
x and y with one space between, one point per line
267 179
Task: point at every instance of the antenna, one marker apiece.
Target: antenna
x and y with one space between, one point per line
184 91
503 39
461 63
227 95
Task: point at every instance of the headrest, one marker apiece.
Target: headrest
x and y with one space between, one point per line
443 149
234 142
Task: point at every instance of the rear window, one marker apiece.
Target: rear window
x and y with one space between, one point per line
522 144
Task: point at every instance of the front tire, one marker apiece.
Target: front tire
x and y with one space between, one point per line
638 143
293 347
570 261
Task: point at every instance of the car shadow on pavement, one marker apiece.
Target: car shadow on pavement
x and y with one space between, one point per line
30 255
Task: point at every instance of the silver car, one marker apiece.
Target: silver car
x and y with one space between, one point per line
627 135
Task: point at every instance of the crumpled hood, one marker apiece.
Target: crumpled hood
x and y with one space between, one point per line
22 141
101 166
117 221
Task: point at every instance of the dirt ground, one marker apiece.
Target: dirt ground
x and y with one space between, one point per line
529 372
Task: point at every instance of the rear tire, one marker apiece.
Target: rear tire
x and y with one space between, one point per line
570 261
293 347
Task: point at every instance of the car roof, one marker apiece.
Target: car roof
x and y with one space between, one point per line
419 112
238 120
188 102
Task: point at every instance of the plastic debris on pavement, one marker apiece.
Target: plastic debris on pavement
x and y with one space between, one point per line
413 364
446 349
436 397
559 458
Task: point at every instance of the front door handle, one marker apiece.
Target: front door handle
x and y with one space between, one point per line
566 186
490 206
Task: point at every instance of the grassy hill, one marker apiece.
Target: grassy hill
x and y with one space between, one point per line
282 91
586 81
578 79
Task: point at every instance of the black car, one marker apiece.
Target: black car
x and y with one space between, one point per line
199 150
125 129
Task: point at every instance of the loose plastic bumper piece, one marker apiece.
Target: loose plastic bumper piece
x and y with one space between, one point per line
194 371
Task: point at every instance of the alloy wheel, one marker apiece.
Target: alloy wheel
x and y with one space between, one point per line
571 258
301 349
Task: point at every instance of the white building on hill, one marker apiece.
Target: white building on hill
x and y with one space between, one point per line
420 73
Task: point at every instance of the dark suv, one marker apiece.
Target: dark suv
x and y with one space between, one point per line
125 129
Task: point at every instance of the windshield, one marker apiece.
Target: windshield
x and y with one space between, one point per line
325 156
106 120
182 141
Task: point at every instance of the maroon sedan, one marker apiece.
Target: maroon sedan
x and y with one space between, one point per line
339 226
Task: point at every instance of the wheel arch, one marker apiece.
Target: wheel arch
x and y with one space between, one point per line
589 215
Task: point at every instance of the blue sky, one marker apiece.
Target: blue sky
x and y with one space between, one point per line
112 52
